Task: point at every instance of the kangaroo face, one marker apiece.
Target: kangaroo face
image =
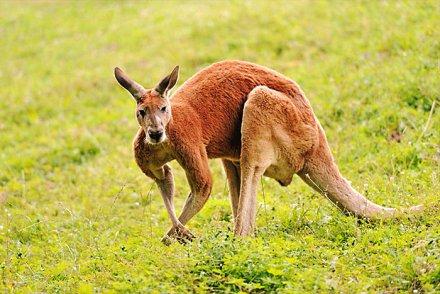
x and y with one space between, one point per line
153 110
153 114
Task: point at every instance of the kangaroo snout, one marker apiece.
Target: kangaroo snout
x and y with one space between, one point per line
155 135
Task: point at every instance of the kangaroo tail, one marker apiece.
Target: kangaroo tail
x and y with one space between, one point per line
322 174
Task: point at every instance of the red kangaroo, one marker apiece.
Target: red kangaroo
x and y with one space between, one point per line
256 120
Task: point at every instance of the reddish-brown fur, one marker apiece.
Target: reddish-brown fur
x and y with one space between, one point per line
206 122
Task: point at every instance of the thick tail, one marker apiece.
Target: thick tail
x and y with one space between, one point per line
322 174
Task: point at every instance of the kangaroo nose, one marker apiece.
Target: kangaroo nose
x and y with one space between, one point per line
155 135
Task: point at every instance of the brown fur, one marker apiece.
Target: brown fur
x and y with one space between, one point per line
277 135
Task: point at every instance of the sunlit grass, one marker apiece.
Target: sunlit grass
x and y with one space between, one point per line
76 214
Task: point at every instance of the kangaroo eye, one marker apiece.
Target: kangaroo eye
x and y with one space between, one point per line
163 109
141 112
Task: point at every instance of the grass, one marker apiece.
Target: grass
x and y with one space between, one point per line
76 214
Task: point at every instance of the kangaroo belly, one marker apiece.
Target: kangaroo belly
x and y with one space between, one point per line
281 174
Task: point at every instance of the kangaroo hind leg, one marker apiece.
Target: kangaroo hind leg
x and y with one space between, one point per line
275 139
233 176
256 156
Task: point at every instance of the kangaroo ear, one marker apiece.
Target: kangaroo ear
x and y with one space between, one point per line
131 86
168 82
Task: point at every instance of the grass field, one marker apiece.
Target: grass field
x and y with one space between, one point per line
77 215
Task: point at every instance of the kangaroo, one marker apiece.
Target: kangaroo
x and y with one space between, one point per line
256 120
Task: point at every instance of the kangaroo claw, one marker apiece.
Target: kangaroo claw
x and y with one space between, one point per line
180 233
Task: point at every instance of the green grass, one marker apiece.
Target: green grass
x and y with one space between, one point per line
77 215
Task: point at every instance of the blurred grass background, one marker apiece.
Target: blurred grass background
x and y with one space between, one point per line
76 214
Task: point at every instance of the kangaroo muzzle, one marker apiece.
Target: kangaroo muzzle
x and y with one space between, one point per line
155 136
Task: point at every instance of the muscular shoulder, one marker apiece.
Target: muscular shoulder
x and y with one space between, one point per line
185 123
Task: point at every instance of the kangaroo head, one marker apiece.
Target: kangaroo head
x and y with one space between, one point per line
153 111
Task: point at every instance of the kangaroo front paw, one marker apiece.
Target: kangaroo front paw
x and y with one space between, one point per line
180 233
183 235
166 240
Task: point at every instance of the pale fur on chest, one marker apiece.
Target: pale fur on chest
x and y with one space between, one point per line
151 157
